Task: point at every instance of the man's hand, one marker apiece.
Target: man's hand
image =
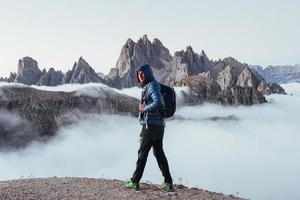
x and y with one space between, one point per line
142 107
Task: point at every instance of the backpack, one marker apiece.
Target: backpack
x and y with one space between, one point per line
168 96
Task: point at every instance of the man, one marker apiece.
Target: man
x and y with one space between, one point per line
152 129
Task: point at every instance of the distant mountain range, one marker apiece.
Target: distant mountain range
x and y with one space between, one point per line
224 81
279 74
29 73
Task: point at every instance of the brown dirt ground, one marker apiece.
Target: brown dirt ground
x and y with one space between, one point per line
68 188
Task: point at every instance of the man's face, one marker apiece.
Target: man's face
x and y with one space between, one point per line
141 76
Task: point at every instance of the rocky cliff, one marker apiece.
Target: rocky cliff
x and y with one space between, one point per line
204 90
28 71
50 78
134 54
81 73
228 82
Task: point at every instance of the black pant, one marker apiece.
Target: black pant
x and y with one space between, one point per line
151 137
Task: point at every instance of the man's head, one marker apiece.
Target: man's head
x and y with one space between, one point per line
144 74
141 76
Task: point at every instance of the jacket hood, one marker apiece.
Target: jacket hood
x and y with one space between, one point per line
148 73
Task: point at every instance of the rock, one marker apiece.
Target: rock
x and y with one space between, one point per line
28 71
237 95
201 90
81 73
267 88
247 79
46 111
204 90
230 72
277 89
264 88
166 69
50 78
188 63
236 67
113 79
135 54
124 62
12 77
3 79
226 78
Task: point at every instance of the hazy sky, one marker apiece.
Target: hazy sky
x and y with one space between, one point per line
57 32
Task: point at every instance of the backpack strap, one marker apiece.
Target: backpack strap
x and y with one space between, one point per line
144 95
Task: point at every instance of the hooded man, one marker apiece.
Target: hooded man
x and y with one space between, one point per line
152 129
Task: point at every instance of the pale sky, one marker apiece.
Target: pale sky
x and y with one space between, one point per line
57 32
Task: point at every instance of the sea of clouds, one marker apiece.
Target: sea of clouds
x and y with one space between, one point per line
255 154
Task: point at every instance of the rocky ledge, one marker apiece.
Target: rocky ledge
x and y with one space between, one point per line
27 113
89 188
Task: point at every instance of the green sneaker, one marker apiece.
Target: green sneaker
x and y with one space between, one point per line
132 185
168 187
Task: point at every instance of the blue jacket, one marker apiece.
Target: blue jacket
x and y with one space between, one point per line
151 97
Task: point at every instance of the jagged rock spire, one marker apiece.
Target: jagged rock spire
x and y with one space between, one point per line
81 72
134 54
28 71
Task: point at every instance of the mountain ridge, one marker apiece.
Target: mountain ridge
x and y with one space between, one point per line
167 69
279 73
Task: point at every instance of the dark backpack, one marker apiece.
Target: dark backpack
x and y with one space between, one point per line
168 96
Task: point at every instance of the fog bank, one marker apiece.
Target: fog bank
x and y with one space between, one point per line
255 156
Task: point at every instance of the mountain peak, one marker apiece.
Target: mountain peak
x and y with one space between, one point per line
82 61
145 38
27 62
203 53
129 42
230 60
189 49
157 42
28 71
81 72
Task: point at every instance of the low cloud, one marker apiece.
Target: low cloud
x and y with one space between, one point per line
254 156
2 95
14 131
